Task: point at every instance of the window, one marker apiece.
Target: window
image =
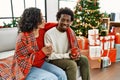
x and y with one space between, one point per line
17 10
10 9
5 11
70 3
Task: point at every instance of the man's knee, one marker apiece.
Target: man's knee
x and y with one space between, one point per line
84 59
72 64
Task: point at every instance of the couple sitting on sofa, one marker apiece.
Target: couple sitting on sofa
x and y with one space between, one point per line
61 49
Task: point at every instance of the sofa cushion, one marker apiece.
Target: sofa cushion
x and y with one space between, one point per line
6 54
7 39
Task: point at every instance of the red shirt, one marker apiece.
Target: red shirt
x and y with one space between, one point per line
40 56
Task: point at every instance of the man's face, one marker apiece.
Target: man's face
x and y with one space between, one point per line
64 22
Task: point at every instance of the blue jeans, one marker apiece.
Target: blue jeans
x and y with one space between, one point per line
47 72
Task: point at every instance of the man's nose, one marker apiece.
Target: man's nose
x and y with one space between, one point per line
65 22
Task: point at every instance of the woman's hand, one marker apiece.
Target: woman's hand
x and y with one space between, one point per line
47 50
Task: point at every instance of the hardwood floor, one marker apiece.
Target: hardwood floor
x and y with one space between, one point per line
110 73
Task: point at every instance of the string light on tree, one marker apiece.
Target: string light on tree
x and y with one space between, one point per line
87 16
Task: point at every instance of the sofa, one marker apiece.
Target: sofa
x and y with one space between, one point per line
7 44
7 41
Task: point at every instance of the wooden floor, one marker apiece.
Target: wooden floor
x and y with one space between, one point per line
110 73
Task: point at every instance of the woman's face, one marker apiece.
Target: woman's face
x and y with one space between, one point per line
42 24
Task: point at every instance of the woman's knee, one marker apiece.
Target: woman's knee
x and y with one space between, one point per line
62 76
50 77
40 74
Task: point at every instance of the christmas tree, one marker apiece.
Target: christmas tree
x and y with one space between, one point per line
86 16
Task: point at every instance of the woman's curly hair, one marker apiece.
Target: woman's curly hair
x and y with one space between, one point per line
30 19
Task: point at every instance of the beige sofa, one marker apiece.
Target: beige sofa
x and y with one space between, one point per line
7 42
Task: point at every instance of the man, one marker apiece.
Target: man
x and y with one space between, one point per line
64 43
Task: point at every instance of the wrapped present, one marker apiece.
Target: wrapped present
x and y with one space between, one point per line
85 52
111 53
107 42
83 42
112 41
93 35
105 62
117 46
116 29
94 42
102 41
117 38
94 51
1 26
95 62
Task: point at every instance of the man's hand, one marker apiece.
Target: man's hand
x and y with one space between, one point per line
75 57
75 53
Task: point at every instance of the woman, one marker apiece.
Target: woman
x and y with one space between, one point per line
30 53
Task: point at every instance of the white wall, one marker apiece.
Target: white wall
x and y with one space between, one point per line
52 8
110 6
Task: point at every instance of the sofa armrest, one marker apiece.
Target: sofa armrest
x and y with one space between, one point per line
7 39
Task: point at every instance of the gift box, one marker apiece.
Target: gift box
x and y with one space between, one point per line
117 38
116 29
95 62
85 52
117 46
83 42
107 42
93 36
94 51
112 41
104 42
105 62
111 53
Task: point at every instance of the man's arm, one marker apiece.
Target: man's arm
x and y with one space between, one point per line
55 54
